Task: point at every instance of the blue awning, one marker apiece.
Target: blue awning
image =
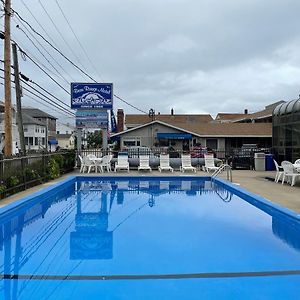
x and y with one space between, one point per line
52 142
174 136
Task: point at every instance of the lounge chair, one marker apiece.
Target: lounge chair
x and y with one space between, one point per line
209 163
289 173
279 171
164 163
105 163
122 163
144 163
186 163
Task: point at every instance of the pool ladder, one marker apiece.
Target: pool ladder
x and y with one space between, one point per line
222 168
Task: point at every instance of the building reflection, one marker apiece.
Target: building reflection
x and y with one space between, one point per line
91 238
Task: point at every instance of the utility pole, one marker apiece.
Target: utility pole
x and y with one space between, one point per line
18 99
7 81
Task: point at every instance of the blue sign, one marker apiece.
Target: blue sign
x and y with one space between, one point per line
91 95
91 119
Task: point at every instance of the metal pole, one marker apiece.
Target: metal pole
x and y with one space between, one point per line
7 81
18 99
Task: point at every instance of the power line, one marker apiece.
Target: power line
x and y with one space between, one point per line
71 62
43 47
77 39
37 21
49 62
25 80
57 83
62 112
59 32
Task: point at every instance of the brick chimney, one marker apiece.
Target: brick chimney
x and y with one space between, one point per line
246 111
120 120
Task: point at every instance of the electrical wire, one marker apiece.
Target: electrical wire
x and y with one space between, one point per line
49 62
37 21
59 32
40 44
77 39
71 62
56 82
48 106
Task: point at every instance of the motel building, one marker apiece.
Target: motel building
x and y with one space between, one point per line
183 132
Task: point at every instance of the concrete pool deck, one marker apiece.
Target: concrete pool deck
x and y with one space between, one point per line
253 181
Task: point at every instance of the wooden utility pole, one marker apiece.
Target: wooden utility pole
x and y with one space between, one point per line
18 99
7 81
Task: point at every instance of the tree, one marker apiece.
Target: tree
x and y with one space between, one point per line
94 139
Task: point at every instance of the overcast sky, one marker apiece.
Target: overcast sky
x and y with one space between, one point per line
196 56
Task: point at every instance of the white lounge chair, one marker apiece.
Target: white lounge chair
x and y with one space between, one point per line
122 163
164 163
209 163
289 173
279 171
105 163
186 163
144 163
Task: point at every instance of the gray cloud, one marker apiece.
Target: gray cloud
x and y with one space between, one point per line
194 56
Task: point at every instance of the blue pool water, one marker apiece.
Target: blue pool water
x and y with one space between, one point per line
147 238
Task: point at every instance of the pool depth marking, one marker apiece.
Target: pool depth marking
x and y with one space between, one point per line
151 277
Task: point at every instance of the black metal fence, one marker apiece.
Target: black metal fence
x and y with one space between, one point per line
21 172
238 158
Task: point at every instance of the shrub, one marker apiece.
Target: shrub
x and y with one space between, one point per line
53 168
12 181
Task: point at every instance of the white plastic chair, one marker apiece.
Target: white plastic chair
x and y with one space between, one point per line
122 163
279 171
289 173
297 162
144 163
88 164
186 163
209 163
81 164
105 163
164 163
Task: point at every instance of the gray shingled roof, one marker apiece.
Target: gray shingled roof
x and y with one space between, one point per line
27 120
37 113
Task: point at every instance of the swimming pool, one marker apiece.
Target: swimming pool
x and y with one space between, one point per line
146 238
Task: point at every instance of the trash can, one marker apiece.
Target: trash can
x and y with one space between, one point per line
269 162
259 161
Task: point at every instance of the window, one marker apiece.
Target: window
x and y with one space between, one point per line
57 132
43 141
36 141
212 144
26 141
31 141
25 129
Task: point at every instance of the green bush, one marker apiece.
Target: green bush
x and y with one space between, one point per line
53 170
2 188
12 181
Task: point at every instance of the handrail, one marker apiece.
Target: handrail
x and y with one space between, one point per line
221 169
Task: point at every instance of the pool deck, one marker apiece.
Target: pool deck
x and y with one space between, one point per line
255 182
